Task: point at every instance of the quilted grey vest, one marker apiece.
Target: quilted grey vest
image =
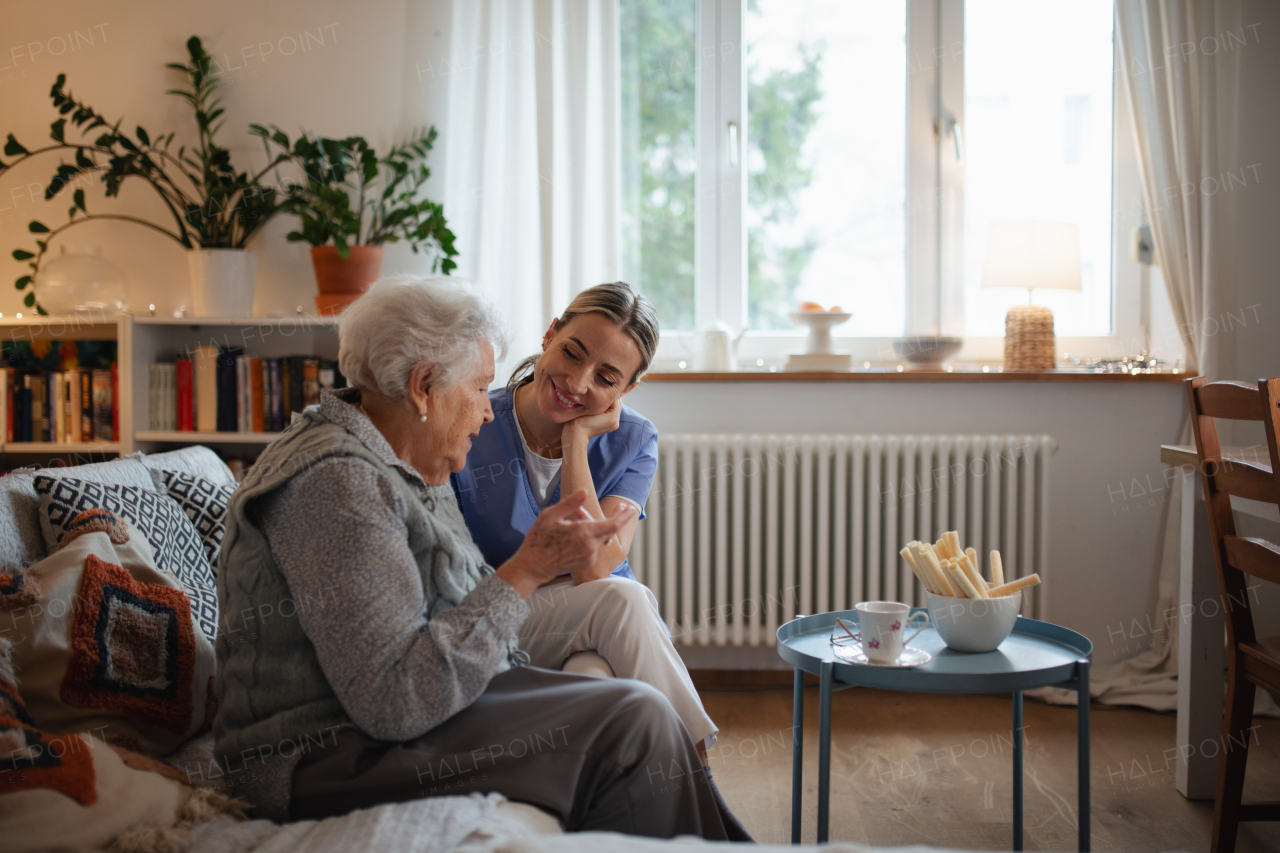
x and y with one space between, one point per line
274 702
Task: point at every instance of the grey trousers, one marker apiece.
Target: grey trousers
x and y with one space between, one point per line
599 754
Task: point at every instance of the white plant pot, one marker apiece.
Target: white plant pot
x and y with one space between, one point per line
222 282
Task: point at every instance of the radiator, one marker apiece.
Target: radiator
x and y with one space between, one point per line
742 532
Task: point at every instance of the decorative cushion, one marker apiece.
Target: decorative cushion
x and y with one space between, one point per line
21 541
111 646
196 460
174 541
205 503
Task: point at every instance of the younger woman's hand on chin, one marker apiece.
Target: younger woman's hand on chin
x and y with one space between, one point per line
589 426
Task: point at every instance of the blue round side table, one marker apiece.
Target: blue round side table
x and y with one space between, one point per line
1036 654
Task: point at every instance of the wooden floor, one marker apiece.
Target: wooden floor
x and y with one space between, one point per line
920 769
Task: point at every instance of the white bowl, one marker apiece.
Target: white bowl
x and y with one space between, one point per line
927 351
973 624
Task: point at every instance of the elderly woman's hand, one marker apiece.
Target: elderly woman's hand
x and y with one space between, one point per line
560 541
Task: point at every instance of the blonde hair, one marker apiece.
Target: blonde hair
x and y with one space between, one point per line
628 310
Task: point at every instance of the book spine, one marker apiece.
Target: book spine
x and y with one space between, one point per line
6 419
277 397
237 370
246 393
206 388
115 395
57 393
311 380
297 385
74 406
103 403
171 396
28 406
184 382
87 424
255 375
226 376
39 409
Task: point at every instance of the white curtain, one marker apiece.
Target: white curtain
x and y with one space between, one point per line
532 183
1180 69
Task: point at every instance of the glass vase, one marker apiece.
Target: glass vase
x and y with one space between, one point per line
80 280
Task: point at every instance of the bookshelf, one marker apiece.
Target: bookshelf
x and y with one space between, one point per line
144 339
149 339
88 327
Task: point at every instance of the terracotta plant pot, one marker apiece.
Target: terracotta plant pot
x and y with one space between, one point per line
342 280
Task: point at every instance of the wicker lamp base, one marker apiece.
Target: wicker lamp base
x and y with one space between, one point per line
1028 338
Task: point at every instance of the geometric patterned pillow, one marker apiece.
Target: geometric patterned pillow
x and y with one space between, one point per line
178 548
205 503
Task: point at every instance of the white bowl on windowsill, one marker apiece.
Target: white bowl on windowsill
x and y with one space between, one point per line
927 352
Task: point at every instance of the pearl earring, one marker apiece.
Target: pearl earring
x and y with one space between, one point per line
423 419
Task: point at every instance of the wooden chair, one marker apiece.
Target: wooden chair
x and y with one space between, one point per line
1252 661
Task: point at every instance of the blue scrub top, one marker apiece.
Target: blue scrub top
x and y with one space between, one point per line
493 489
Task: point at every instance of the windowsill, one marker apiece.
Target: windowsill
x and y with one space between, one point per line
894 375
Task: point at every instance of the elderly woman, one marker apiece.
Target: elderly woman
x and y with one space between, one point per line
397 673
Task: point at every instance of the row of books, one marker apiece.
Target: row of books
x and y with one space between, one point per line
58 391
224 390
66 406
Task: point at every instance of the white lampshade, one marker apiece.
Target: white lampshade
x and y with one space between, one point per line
1032 255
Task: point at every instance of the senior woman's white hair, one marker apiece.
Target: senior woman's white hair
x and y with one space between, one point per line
403 321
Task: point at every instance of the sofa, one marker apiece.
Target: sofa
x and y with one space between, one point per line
465 824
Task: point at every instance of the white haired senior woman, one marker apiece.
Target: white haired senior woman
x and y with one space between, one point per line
402 678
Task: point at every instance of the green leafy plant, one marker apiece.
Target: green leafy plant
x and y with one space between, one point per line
348 195
211 204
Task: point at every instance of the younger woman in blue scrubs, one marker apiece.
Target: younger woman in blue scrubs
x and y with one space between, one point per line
558 427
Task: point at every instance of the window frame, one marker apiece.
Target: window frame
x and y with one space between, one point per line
934 287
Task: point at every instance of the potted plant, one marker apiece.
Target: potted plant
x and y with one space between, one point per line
350 202
214 208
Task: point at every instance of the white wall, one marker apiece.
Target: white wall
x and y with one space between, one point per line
372 75
1107 484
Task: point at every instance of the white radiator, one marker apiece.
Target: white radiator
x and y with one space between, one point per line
745 531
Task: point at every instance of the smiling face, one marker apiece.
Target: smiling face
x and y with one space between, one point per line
584 368
454 416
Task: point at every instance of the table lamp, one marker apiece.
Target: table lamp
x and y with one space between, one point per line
1031 255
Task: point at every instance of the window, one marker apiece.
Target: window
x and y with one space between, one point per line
855 153
658 153
826 177
1038 131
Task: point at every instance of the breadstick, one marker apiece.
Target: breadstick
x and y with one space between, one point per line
960 580
911 561
974 576
952 539
1014 586
997 569
924 552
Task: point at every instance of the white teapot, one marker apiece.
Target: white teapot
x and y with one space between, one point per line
717 348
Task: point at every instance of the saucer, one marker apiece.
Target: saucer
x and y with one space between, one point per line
911 657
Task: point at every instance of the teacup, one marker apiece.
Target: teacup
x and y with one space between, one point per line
880 628
974 624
